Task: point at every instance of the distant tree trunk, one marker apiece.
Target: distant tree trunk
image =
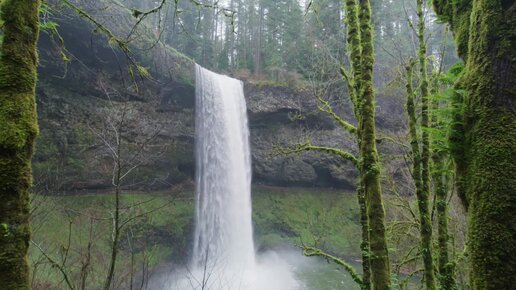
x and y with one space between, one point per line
369 163
484 147
258 43
441 188
116 222
230 38
423 193
441 180
18 130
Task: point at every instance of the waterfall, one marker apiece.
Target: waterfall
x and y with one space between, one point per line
223 255
223 229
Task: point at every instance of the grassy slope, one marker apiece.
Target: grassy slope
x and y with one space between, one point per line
296 216
281 216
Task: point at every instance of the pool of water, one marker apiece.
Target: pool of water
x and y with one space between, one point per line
276 270
316 273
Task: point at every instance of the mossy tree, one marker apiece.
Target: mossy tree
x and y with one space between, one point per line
359 78
18 130
441 177
369 160
421 158
424 217
484 148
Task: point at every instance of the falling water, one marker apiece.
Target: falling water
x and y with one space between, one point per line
223 235
223 252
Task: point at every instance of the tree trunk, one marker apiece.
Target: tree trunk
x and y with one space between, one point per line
353 40
369 165
441 188
485 151
423 193
376 264
441 180
18 130
364 245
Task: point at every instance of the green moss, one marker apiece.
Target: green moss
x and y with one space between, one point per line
261 84
423 190
369 160
486 167
282 217
300 216
490 187
456 13
353 39
18 62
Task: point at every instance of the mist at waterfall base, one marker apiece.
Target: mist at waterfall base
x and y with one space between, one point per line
223 251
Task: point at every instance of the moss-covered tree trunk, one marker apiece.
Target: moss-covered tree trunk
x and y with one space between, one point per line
486 37
441 181
441 188
355 53
364 245
369 161
424 216
18 129
423 192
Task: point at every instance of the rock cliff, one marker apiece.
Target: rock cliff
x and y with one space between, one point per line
78 99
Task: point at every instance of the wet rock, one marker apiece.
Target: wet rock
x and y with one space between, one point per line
298 172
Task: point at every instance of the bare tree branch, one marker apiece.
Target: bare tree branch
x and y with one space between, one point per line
311 251
307 146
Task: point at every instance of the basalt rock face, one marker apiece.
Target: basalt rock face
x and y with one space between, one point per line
89 92
280 117
80 102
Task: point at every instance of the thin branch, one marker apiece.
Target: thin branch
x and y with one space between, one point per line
142 15
327 108
311 251
112 38
54 263
307 146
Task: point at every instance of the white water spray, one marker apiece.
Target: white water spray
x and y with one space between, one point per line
223 253
223 234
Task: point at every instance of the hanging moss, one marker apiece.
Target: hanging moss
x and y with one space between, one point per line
488 165
18 63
